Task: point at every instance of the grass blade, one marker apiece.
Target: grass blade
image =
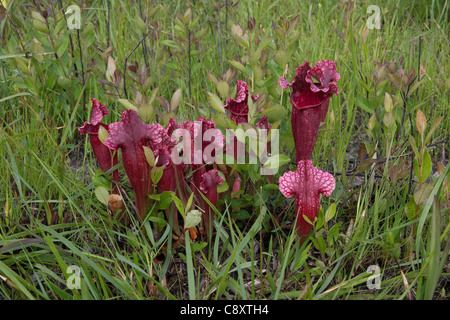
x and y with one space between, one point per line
190 267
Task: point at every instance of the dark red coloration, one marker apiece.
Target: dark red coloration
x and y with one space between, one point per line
238 107
130 135
310 100
263 123
102 153
266 125
173 175
205 140
203 152
208 186
236 185
306 184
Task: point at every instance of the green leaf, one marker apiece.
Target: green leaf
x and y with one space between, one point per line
145 112
423 193
64 82
365 104
103 134
307 220
239 67
411 208
333 233
164 198
223 88
215 102
102 194
152 11
189 202
99 179
224 186
423 170
270 186
242 215
254 58
39 22
193 218
140 24
156 174
158 220
242 133
433 128
198 246
321 242
128 104
331 211
171 43
149 156
413 144
176 100
223 121
276 161
388 104
427 165
276 113
319 220
372 122
178 203
243 40
63 47
265 42
421 122
110 68
212 78
281 58
253 172
389 119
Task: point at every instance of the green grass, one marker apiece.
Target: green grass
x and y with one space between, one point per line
385 215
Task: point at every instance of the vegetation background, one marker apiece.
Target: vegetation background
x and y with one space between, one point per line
384 232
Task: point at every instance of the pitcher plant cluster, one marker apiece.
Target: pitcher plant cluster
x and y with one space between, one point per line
189 162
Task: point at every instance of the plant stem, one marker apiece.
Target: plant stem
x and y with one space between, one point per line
189 63
219 35
125 65
82 68
108 23
144 47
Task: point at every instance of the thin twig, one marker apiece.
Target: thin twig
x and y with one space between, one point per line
82 68
225 39
108 23
16 30
226 26
429 46
219 35
446 139
144 46
189 56
350 173
418 63
412 163
125 65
